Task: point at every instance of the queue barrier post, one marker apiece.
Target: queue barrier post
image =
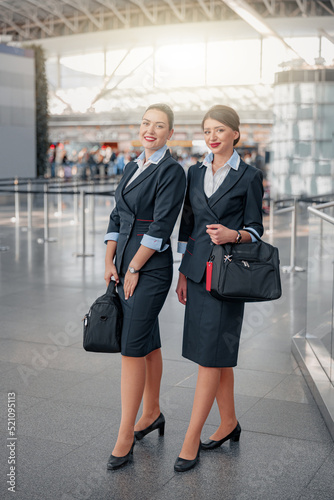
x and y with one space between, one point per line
76 203
46 238
17 200
59 201
29 205
292 268
83 227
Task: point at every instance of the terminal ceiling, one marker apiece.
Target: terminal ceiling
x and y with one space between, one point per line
54 22
35 19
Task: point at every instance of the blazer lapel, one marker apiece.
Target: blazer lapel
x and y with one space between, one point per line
143 175
200 198
232 177
127 176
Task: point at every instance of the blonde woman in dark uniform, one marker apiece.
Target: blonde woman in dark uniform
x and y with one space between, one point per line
148 201
224 198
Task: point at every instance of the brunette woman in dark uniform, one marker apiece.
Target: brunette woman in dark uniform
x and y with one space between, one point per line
224 198
148 201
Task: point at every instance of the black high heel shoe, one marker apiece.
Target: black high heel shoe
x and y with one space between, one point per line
118 462
183 465
233 436
159 424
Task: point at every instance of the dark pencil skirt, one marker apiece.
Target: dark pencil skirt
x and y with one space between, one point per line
140 333
211 328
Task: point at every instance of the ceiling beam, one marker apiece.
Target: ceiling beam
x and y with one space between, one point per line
146 12
25 34
81 8
326 35
180 14
55 11
30 16
270 6
324 6
251 17
209 12
302 4
111 6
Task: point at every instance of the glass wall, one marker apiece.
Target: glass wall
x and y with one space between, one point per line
320 290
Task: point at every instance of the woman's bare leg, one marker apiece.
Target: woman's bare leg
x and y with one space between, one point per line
132 388
151 405
225 401
206 389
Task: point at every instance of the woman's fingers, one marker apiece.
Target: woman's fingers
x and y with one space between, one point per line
109 273
182 295
130 283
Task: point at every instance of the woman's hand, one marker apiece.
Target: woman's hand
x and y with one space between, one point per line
181 289
130 283
220 234
110 271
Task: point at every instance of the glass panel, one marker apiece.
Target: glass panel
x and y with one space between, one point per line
319 325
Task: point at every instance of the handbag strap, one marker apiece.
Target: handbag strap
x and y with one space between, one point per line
252 231
111 287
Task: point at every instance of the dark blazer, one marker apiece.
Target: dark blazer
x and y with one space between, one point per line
237 203
149 205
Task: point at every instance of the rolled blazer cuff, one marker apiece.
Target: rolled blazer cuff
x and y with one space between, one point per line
181 247
153 243
251 235
111 237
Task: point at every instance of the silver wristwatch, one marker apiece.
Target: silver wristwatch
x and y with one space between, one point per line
132 270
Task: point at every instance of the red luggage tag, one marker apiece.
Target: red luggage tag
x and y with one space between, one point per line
208 275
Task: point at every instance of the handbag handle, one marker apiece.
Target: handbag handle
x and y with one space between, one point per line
111 287
253 233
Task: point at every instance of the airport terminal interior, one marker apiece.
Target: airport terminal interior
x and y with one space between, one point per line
89 69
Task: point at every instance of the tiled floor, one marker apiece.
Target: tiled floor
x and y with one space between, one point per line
68 400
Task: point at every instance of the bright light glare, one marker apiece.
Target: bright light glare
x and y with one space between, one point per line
273 54
133 59
234 62
306 47
254 22
92 64
80 98
113 58
180 65
327 51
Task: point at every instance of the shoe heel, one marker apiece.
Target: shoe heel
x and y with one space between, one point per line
236 436
162 429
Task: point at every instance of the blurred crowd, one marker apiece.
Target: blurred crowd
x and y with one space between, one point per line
85 162
104 161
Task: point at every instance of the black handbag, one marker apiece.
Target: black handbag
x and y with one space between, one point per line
247 272
102 326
